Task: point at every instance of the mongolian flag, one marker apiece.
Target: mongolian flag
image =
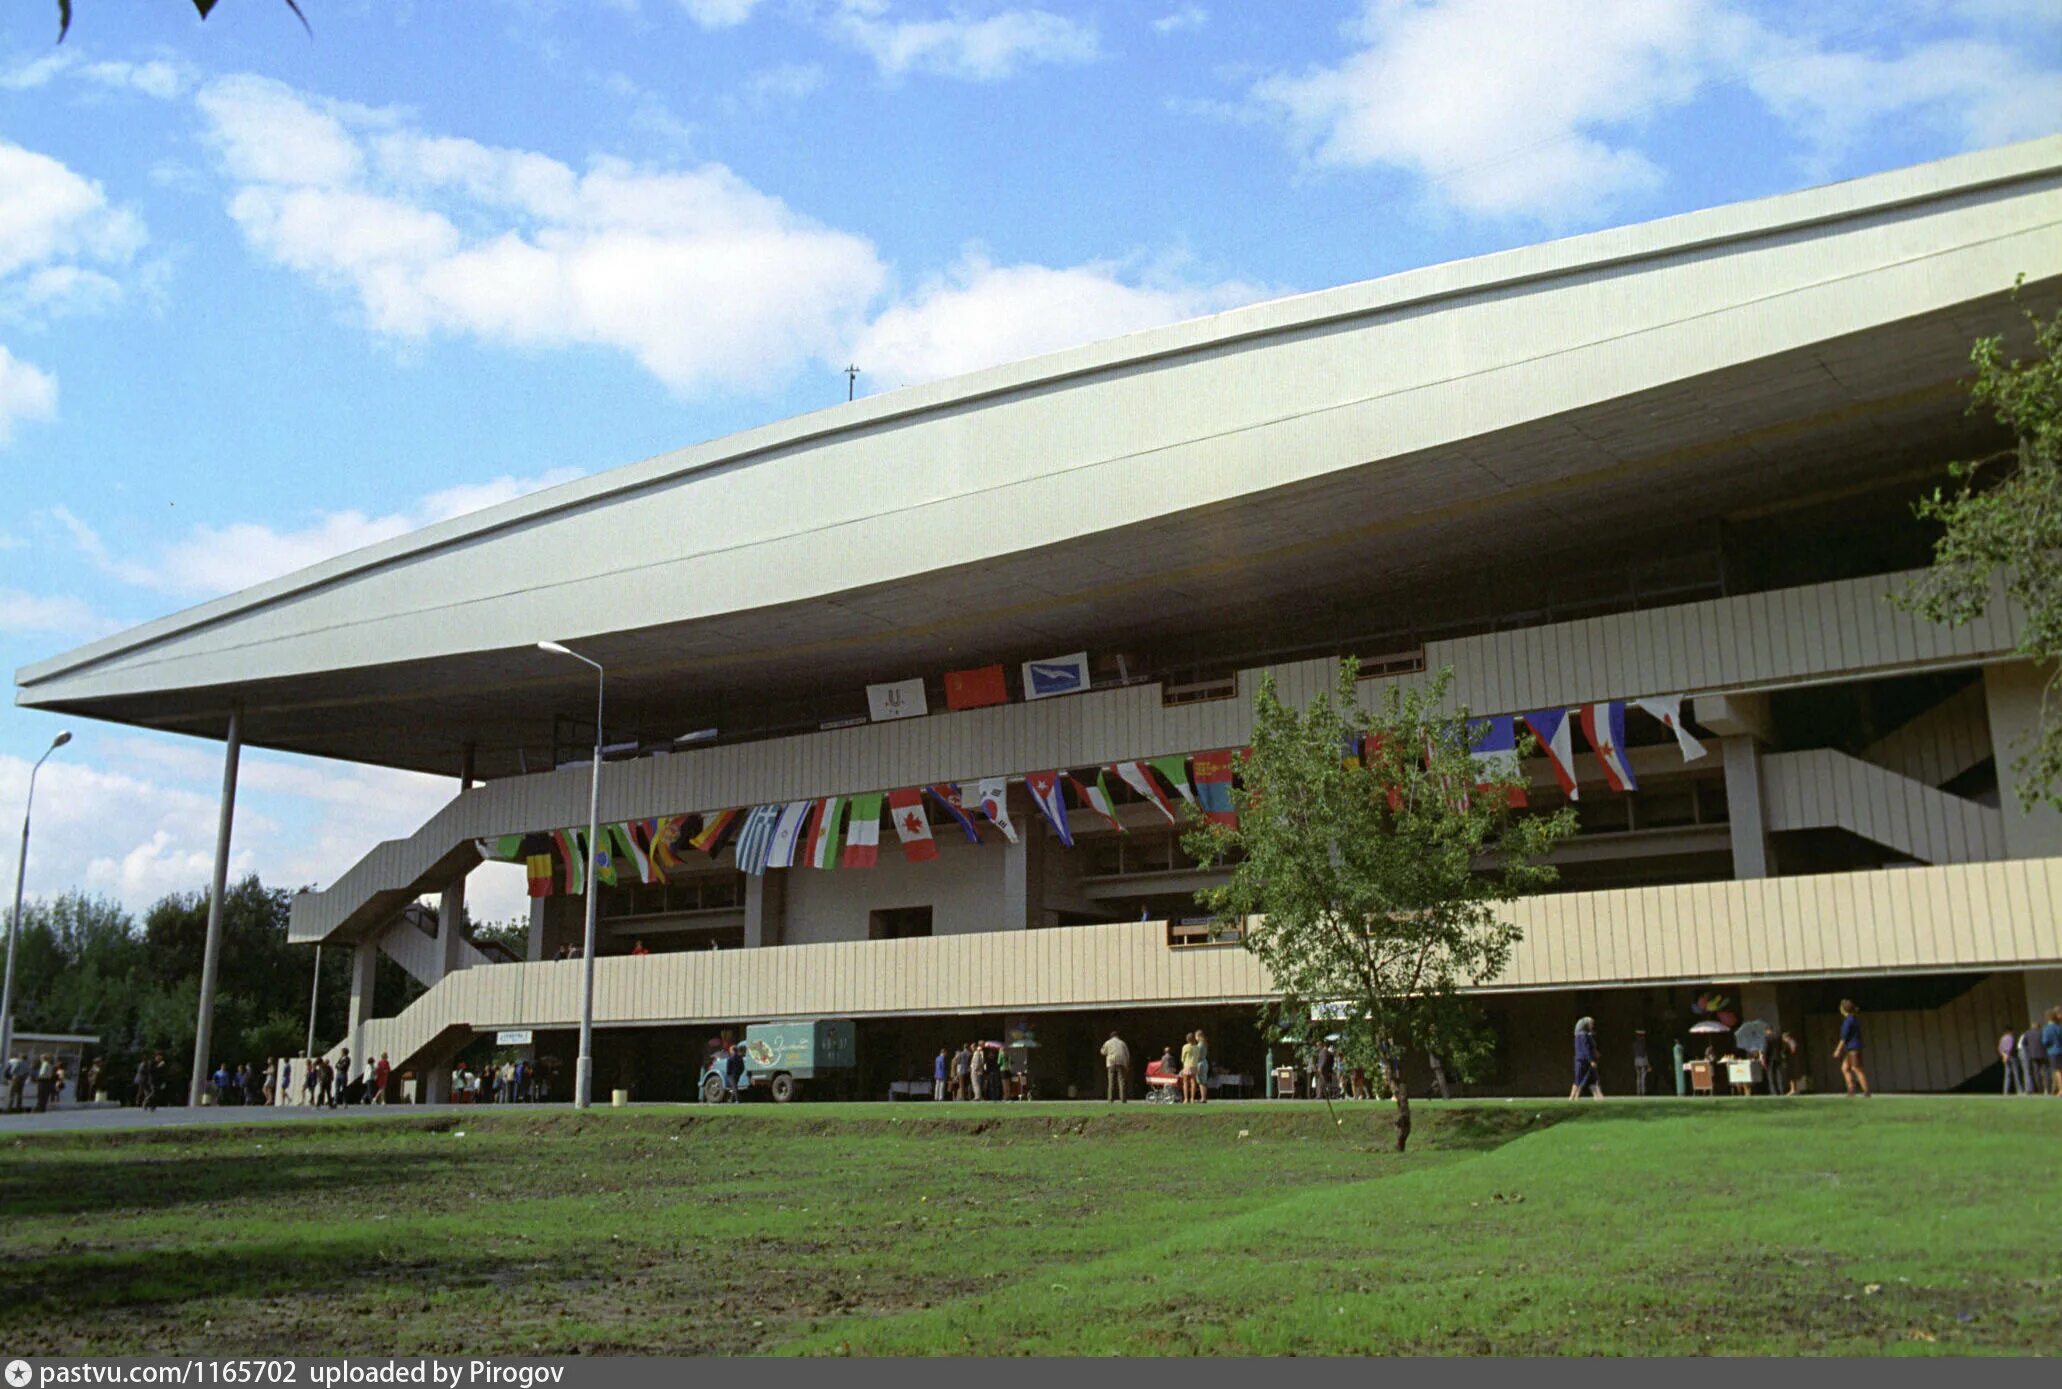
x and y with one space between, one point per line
1604 726
1135 775
824 830
1553 730
537 860
912 826
863 832
1669 710
756 838
572 855
1097 798
1493 743
787 834
1047 796
1176 770
947 794
716 827
972 689
995 804
1213 788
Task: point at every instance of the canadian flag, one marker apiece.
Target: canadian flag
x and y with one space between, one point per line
912 826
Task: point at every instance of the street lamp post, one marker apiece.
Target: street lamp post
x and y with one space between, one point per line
583 1080
21 870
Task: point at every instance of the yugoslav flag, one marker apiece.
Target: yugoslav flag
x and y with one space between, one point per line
1493 743
947 793
1213 788
1176 770
1554 730
756 838
1047 796
912 826
995 804
1097 798
823 832
863 832
787 834
1135 775
1669 710
1604 726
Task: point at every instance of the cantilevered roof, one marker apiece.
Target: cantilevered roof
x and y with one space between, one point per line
1176 478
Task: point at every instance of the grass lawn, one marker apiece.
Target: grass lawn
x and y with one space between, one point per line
1921 1225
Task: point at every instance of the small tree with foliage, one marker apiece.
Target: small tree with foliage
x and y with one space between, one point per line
1370 863
2004 513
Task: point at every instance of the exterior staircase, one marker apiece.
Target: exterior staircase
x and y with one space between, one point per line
1823 788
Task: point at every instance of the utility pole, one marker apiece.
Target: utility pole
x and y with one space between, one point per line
851 381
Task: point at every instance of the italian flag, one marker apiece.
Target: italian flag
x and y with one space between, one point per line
823 832
863 832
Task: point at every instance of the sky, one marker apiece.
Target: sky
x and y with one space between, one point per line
267 295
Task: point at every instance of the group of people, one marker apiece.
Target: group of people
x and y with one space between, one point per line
2033 1058
246 1085
45 1073
1191 1073
327 1086
976 1071
511 1082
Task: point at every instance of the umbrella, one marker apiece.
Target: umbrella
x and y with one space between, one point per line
1751 1035
1708 1027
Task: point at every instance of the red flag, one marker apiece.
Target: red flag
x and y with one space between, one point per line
971 689
912 826
1213 787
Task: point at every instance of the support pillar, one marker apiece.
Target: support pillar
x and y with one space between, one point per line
1023 869
211 953
765 909
1751 856
2043 991
451 938
364 964
2012 694
534 950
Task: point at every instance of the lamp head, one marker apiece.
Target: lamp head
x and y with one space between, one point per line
60 740
553 647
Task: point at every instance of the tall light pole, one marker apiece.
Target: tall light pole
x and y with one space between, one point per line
21 870
583 1080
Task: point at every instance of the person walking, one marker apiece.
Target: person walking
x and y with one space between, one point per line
2051 1043
733 1072
380 1073
142 1085
2033 1061
1202 1065
941 1073
977 1071
18 1069
1117 1070
1640 1066
2008 1059
1188 1067
341 1078
1848 1050
1586 1060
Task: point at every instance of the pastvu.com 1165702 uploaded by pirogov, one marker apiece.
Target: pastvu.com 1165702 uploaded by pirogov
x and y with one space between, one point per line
314 1374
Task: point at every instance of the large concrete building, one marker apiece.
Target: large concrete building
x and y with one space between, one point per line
1674 459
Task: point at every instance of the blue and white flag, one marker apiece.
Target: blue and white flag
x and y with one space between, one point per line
1062 675
756 838
787 833
1493 743
1552 727
1604 725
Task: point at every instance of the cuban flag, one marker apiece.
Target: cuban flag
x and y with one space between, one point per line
912 826
1604 726
947 794
1062 675
1555 733
1493 744
1213 788
995 804
1051 801
1669 710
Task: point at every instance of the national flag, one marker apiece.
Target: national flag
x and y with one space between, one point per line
604 856
538 863
1372 746
630 851
824 832
756 838
1176 770
572 854
1062 675
1553 730
1669 710
787 834
897 699
1604 726
502 848
995 804
863 832
1098 799
974 689
1493 743
663 843
947 793
1349 749
912 826
1213 788
1047 796
716 827
1135 775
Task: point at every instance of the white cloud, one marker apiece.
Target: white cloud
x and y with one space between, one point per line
1539 111
982 48
700 277
979 314
719 14
785 82
22 612
1187 17
155 77
26 393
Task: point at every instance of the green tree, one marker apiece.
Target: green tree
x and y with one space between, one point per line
1370 863
204 7
2004 513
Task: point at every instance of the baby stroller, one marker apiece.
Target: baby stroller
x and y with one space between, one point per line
1162 1085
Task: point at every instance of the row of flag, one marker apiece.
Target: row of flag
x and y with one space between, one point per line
845 831
979 687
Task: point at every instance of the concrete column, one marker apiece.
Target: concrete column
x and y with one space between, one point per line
2043 991
211 953
1751 856
364 962
535 949
1023 869
765 908
1762 1001
2012 697
451 952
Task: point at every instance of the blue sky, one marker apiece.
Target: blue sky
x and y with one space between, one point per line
264 298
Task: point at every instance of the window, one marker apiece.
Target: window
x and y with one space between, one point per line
898 923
